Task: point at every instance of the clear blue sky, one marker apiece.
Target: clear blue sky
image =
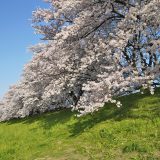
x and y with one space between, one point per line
16 34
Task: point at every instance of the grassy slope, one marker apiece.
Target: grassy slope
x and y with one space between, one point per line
131 132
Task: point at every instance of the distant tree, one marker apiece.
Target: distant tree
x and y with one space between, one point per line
95 50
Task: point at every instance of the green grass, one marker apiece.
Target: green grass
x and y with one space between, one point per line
131 132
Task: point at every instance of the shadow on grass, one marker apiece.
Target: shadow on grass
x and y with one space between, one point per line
127 111
108 112
45 120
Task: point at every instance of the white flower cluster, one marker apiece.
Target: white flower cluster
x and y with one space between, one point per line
96 50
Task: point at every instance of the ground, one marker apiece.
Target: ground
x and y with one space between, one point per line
131 132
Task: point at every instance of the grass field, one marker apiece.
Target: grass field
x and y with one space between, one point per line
130 132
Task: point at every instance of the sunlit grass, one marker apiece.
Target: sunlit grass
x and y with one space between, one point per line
130 132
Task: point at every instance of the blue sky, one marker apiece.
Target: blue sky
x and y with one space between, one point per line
16 35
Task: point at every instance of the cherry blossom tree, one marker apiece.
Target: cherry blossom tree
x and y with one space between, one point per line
95 50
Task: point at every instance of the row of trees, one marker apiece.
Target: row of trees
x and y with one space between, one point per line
95 50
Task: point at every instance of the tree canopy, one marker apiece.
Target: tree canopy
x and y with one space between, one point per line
93 50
